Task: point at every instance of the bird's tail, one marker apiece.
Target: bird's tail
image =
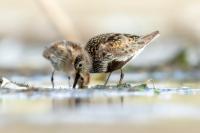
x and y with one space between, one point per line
149 38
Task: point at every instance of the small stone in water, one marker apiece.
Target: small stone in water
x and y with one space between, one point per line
125 85
141 87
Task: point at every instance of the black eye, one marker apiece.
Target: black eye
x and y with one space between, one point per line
80 65
1 80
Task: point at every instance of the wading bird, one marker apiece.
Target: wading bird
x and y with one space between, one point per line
70 58
111 51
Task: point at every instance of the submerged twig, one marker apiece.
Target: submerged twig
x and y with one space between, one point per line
7 84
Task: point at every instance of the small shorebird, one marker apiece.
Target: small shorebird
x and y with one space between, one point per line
103 54
111 51
70 58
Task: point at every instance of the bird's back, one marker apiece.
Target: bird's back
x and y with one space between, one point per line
114 43
112 50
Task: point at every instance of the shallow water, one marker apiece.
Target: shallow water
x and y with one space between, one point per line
172 106
112 102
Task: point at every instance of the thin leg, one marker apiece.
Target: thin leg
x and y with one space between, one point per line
107 79
69 79
121 77
52 78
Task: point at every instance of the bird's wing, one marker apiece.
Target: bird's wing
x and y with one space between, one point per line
121 47
109 47
112 46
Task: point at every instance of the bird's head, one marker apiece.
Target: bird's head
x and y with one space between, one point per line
82 76
57 54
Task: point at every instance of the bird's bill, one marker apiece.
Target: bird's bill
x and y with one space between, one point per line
76 79
52 78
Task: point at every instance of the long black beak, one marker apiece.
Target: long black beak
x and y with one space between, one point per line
76 79
52 78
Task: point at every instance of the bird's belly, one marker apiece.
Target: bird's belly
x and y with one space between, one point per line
115 65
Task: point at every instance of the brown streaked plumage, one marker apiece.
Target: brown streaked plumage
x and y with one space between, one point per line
82 65
111 51
62 55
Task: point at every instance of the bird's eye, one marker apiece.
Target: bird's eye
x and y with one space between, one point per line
1 80
80 65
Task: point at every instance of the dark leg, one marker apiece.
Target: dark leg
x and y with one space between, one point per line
76 80
69 78
121 77
107 79
52 78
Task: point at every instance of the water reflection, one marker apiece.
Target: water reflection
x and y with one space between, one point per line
100 105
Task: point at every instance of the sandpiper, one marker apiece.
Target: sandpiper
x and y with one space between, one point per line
70 58
82 66
111 51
